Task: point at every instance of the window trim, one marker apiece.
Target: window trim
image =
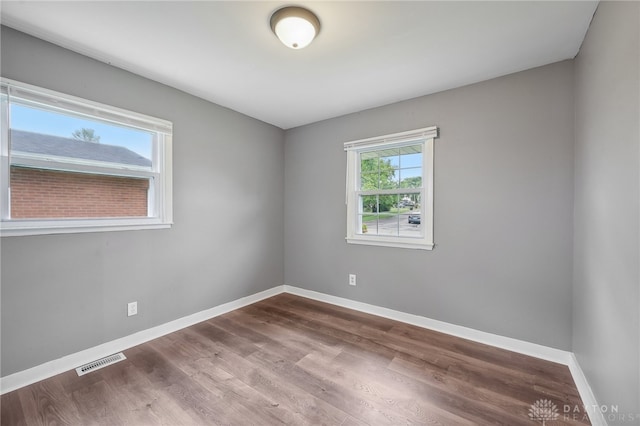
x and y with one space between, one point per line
160 191
426 137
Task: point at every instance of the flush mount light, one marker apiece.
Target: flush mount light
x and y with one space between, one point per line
296 27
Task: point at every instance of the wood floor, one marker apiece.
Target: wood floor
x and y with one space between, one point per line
291 360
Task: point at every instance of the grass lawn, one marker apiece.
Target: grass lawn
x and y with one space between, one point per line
393 212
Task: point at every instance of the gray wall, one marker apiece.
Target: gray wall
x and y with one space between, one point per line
503 209
64 293
606 297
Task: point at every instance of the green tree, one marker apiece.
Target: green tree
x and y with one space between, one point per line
412 182
376 173
87 135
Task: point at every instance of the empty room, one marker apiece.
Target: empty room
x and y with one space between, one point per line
332 212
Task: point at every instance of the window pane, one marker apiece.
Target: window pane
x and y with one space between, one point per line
389 165
368 218
388 224
410 217
411 156
369 171
368 225
45 134
411 166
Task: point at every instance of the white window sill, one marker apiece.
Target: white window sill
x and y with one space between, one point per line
23 228
416 245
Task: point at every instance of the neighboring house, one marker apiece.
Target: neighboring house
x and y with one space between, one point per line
52 192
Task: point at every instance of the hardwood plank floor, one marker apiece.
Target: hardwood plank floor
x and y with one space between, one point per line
291 360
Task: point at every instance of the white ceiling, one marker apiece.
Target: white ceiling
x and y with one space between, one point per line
366 55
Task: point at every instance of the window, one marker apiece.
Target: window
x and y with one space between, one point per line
72 165
390 190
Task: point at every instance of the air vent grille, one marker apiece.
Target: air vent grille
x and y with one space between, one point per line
100 363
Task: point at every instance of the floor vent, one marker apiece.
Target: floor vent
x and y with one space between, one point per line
99 363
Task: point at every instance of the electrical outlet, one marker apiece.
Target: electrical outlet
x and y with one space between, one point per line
352 279
132 309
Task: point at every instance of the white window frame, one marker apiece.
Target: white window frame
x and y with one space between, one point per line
160 206
423 136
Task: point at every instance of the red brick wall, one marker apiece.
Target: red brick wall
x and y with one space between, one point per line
44 194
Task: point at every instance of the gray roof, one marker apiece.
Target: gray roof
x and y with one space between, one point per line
36 143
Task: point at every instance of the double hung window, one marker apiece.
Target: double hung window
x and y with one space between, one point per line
72 165
390 189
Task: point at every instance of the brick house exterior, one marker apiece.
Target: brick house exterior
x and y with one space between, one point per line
40 193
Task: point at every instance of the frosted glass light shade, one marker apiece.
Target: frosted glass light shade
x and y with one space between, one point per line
296 27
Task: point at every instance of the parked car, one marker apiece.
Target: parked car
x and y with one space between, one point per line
414 218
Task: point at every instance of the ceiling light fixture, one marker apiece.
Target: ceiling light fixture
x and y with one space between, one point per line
296 27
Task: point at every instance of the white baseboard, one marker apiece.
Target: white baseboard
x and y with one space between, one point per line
586 394
514 345
69 362
520 346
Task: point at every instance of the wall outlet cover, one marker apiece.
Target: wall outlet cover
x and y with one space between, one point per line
132 309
